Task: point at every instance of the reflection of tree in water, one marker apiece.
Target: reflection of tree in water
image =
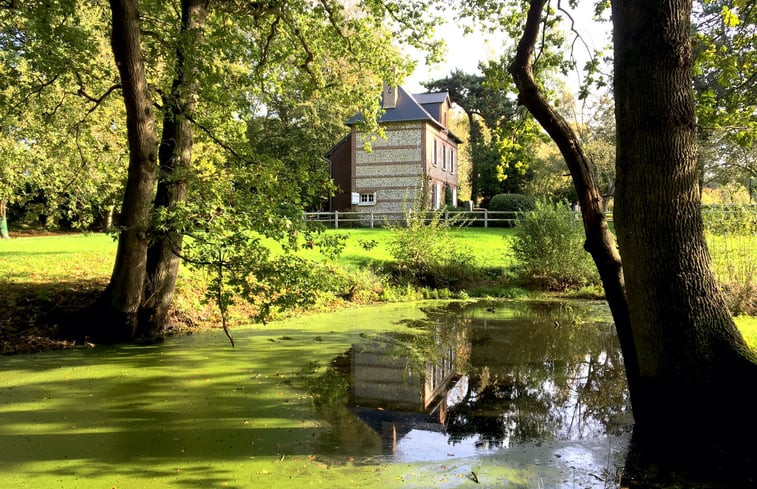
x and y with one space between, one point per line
538 373
534 372
492 415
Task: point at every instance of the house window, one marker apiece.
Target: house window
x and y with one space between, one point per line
444 158
436 154
368 198
451 161
437 194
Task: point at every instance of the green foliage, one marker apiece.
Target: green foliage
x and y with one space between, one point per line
500 135
241 267
725 50
512 203
725 82
424 251
732 242
549 246
501 161
329 245
61 144
367 244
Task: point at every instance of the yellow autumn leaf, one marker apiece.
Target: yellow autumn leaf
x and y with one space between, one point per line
729 17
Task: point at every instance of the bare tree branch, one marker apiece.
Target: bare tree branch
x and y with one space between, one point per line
600 242
267 45
97 100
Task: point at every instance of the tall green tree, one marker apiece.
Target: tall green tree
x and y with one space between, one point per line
687 346
501 137
725 83
679 344
123 296
62 140
190 77
289 44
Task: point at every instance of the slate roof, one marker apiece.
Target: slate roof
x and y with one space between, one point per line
410 108
430 98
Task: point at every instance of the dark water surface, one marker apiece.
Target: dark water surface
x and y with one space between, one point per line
537 383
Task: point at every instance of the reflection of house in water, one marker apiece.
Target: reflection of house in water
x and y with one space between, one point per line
502 380
394 395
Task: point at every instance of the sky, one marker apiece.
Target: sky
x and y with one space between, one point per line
465 52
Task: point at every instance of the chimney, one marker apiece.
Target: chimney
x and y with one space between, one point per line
389 97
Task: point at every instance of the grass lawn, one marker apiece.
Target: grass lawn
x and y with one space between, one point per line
59 258
70 257
51 269
748 327
490 246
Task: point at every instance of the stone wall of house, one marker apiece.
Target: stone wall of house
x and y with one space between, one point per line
392 169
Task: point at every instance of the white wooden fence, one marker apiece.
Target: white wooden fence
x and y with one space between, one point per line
476 217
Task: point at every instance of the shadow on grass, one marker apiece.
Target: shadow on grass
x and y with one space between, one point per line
32 313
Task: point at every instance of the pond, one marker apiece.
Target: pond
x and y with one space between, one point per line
474 394
540 383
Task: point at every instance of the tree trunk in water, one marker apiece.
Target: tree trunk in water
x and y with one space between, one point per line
600 242
175 156
693 363
120 302
4 219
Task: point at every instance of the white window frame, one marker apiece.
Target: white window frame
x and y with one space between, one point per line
451 160
435 160
444 158
367 198
437 195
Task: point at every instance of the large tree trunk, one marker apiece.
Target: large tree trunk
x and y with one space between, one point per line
600 242
175 156
693 362
120 302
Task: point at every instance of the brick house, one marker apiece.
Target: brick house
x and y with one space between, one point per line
419 152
